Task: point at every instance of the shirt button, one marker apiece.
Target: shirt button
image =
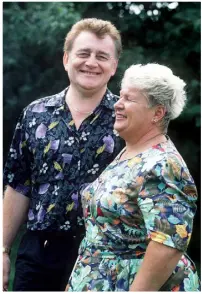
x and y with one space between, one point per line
46 243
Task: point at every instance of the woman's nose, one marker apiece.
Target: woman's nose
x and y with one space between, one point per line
119 104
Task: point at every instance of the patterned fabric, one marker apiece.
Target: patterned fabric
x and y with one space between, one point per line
50 161
149 197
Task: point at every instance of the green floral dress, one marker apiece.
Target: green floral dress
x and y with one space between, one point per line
148 197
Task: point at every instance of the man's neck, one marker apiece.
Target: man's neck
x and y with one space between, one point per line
82 104
84 99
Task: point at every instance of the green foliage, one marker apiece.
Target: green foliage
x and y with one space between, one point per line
34 34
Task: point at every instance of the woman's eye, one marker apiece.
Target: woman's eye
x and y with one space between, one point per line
124 98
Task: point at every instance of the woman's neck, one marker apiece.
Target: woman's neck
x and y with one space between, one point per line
135 147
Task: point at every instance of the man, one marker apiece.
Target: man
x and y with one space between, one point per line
61 143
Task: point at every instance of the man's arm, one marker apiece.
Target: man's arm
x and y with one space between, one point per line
15 208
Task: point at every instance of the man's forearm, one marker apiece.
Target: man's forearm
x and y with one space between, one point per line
158 264
15 208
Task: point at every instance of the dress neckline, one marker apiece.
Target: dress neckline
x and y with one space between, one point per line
117 159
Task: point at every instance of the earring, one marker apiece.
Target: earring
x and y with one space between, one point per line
154 120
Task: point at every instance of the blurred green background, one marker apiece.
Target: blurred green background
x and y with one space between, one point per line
163 32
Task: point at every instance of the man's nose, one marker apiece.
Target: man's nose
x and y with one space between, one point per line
91 61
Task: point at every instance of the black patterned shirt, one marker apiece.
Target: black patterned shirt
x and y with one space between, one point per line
50 161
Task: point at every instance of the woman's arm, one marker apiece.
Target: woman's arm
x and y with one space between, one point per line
158 264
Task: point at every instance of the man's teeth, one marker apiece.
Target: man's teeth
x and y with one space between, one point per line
90 73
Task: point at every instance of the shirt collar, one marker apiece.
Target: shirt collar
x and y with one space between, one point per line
58 100
109 99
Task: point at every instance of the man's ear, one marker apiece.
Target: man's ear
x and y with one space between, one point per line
65 60
114 67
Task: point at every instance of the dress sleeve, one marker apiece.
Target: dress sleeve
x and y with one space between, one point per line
167 202
17 167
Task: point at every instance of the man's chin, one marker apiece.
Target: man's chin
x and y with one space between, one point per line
89 87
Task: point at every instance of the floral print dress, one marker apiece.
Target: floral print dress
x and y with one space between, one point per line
148 197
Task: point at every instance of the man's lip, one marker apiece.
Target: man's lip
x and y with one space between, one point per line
90 72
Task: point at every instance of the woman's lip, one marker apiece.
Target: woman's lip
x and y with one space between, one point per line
120 116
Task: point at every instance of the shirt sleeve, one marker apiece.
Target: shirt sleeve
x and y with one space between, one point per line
17 167
167 202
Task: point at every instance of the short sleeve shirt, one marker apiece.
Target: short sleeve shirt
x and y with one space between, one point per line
50 161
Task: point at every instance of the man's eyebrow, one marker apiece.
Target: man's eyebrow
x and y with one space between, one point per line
97 52
103 53
84 50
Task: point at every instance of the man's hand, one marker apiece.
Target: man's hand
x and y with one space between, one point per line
15 209
6 271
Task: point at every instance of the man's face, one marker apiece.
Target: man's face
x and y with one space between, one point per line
91 62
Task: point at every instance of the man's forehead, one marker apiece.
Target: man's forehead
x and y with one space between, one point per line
92 34
91 38
88 40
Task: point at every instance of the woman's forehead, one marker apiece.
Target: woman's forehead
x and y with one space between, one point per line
131 90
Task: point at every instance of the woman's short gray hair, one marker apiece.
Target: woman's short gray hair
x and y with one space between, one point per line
160 85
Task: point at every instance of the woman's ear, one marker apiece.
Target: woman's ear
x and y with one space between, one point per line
159 113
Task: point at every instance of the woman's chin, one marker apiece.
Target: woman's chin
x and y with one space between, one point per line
118 127
120 131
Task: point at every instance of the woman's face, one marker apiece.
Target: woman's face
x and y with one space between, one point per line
133 114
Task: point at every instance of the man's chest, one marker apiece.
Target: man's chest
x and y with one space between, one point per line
60 151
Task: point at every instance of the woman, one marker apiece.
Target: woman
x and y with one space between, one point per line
139 212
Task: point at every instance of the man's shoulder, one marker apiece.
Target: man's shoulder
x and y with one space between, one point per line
116 97
54 100
110 99
112 95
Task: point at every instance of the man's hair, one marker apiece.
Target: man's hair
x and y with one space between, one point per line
161 87
99 27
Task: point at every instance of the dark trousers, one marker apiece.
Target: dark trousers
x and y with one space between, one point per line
45 261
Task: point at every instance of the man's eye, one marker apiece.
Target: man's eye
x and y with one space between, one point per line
83 55
102 57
